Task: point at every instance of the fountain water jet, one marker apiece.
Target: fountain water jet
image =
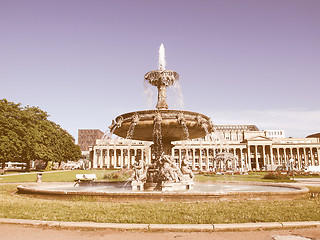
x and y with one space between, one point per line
162 126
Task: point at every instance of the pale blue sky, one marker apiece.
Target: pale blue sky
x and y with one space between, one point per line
240 61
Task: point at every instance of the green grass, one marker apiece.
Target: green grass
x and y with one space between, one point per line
307 176
85 209
53 176
314 189
69 176
252 177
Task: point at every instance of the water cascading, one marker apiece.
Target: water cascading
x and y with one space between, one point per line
157 136
135 121
162 126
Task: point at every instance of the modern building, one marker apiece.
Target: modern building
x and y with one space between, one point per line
88 138
252 149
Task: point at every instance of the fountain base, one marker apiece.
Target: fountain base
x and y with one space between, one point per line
169 186
202 192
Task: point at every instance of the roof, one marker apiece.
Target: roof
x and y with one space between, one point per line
316 135
236 127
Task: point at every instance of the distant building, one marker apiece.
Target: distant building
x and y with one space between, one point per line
316 135
253 149
87 138
275 134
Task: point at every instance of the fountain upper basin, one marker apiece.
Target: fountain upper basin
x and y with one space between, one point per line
172 124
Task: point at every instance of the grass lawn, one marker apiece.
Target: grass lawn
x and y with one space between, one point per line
252 176
52 176
69 176
85 209
77 209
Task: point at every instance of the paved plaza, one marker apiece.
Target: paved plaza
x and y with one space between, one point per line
19 232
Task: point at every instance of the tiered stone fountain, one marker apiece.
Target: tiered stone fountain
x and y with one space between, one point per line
162 126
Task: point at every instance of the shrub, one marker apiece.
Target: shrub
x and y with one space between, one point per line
118 175
277 176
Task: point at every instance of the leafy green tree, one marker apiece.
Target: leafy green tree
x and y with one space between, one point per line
27 134
11 128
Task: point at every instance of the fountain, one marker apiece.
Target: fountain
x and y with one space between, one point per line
163 179
162 126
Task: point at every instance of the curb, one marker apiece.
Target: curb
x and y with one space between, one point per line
163 227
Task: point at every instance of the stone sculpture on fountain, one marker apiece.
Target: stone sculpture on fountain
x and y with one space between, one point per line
162 126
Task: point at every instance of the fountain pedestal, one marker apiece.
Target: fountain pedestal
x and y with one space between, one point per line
162 126
137 185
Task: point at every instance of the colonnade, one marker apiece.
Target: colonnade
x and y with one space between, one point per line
123 157
203 155
251 157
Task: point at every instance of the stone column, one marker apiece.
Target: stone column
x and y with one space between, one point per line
101 159
134 156
288 160
285 155
193 159
121 158
108 158
271 157
318 153
114 158
149 156
200 159
306 158
256 156
264 155
240 160
142 155
299 159
312 156
249 158
95 160
128 159
207 159
179 157
105 157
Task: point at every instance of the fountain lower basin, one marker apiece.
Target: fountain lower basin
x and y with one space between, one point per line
203 192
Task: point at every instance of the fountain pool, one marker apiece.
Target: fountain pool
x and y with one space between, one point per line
120 191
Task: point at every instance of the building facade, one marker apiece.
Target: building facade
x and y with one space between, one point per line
251 148
88 138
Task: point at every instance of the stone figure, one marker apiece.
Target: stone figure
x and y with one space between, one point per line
168 169
185 168
140 171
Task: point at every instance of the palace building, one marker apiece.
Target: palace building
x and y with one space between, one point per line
250 148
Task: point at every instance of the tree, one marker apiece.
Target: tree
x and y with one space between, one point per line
11 130
27 134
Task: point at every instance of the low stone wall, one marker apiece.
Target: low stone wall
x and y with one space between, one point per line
47 190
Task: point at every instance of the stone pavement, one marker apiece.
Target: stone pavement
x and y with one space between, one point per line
28 232
308 181
161 227
289 237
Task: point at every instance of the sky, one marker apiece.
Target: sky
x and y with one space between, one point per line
240 61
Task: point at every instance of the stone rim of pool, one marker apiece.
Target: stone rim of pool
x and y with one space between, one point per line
282 191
